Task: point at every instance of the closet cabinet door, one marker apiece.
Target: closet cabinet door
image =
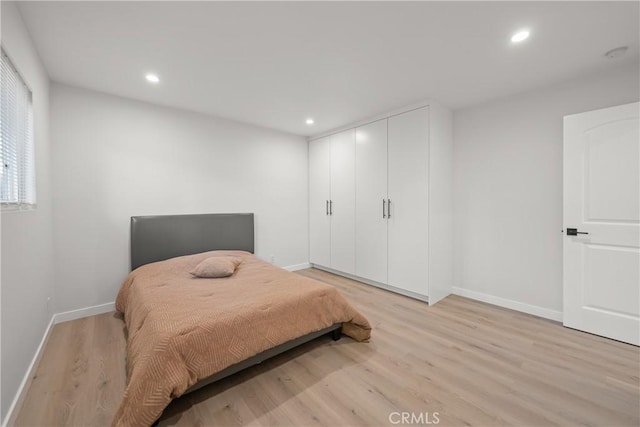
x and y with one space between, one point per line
371 197
319 196
342 208
408 192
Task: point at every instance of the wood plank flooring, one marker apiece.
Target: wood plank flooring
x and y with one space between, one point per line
472 363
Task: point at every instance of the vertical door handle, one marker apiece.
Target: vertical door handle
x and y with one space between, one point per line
327 208
384 208
388 208
330 207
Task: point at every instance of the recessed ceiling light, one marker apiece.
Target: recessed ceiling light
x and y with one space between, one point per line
152 78
520 36
309 121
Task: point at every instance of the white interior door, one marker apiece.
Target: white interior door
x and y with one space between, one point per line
601 198
371 193
342 205
319 195
408 192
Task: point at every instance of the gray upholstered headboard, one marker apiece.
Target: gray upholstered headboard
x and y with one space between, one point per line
156 238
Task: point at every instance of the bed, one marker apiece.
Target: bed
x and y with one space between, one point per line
185 332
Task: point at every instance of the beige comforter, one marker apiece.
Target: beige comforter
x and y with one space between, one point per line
184 329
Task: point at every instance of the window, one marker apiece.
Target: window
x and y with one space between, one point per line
17 163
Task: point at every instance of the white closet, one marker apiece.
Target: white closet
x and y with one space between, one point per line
332 201
380 202
342 204
319 196
408 162
371 201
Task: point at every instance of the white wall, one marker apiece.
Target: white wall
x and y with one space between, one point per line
508 187
27 249
114 158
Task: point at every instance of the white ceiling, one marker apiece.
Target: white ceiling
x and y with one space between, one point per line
276 63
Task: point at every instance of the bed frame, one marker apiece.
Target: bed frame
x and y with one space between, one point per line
157 238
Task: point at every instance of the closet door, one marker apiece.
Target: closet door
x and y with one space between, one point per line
371 201
342 207
408 192
319 196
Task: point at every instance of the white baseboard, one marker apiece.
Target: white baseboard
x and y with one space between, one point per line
298 266
55 319
384 286
26 381
511 304
84 312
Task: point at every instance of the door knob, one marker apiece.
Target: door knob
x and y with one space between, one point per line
574 232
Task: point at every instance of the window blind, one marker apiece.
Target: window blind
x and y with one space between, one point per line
17 163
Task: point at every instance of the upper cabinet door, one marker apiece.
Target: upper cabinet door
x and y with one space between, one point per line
342 206
408 192
371 201
319 196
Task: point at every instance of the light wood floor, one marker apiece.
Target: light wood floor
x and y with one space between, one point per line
472 363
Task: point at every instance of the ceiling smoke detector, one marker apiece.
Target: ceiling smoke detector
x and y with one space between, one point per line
617 52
